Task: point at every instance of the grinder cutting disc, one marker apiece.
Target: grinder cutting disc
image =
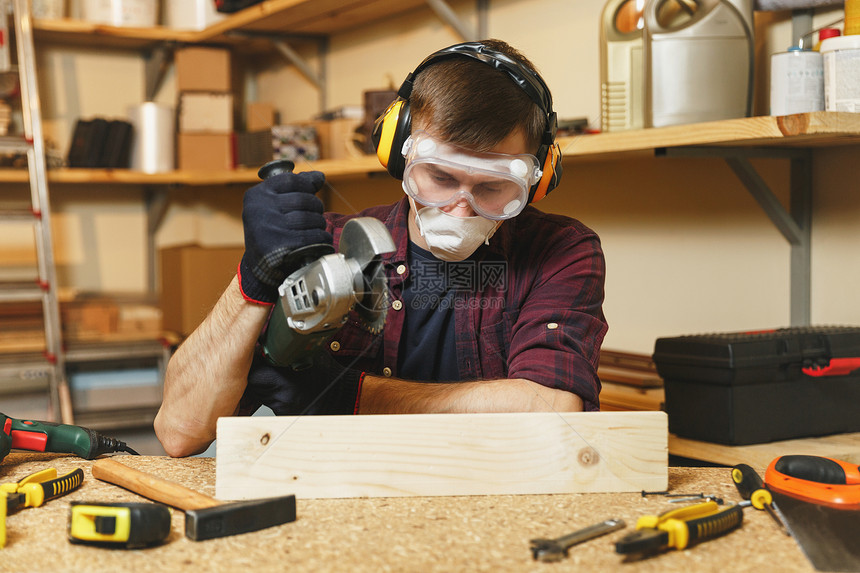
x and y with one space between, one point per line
365 240
373 306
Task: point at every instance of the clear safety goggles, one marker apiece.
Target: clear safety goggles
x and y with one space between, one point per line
495 185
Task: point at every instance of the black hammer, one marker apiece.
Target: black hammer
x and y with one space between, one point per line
205 517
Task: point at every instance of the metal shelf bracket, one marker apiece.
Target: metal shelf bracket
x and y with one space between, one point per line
794 223
157 201
467 33
155 68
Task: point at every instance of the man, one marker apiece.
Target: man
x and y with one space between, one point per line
494 306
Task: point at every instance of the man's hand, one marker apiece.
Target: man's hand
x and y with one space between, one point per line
325 387
280 215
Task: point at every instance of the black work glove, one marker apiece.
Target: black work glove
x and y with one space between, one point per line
325 387
280 215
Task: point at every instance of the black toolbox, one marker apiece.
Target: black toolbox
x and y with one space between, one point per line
751 387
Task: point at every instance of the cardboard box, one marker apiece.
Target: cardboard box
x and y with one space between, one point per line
337 138
205 151
205 112
260 116
202 69
83 318
192 280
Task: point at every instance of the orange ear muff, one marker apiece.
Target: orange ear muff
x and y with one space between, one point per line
390 132
383 134
551 174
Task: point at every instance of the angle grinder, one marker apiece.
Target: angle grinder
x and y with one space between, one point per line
315 300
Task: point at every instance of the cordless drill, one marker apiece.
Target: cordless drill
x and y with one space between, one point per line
56 438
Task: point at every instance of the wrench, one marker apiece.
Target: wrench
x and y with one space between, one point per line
548 550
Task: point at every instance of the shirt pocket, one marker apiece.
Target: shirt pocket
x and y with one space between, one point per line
494 343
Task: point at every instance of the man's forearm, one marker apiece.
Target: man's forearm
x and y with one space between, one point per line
389 396
207 375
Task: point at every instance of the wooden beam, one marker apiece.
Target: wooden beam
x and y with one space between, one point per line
838 446
440 454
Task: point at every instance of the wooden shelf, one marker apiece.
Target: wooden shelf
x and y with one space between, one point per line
817 129
280 17
335 169
313 17
89 34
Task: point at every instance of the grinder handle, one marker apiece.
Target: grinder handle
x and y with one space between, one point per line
152 487
275 167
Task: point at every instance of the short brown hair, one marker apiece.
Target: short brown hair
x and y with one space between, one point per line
476 106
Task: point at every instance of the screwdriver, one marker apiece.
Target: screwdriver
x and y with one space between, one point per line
751 488
680 528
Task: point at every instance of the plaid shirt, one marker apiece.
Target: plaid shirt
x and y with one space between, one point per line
530 307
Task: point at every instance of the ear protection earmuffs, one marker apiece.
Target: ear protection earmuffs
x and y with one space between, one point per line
394 126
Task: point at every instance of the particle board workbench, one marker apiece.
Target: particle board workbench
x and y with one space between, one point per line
476 533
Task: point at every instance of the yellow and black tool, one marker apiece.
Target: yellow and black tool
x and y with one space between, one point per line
33 491
118 525
680 528
752 489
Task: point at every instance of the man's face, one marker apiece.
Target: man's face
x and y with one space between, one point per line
444 181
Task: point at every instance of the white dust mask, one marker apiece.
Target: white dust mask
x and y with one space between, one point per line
452 238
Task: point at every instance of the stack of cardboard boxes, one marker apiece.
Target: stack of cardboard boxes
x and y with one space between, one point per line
205 109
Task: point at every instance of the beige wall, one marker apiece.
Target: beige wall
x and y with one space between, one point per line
688 250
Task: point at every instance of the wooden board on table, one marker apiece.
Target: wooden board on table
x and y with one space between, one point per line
440 454
844 447
614 397
629 369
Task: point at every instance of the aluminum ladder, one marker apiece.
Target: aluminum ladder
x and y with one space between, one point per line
44 288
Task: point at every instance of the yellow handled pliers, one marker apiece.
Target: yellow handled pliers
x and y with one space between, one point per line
33 491
680 528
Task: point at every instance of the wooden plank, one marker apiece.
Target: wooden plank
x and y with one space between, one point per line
334 169
90 34
813 130
627 360
638 378
306 17
615 397
440 454
839 446
809 129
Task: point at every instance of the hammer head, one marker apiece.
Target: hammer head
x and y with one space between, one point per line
239 517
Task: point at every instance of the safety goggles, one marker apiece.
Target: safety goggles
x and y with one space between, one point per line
495 185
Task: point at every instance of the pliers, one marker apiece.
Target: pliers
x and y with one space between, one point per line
680 528
33 491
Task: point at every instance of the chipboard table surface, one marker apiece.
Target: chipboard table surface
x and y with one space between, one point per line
462 533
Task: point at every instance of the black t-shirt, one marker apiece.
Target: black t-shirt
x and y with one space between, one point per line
428 350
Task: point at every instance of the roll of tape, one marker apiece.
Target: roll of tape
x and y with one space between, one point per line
152 149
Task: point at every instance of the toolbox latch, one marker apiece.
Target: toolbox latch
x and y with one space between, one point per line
837 367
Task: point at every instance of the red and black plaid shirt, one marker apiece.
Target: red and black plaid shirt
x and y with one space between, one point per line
532 307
